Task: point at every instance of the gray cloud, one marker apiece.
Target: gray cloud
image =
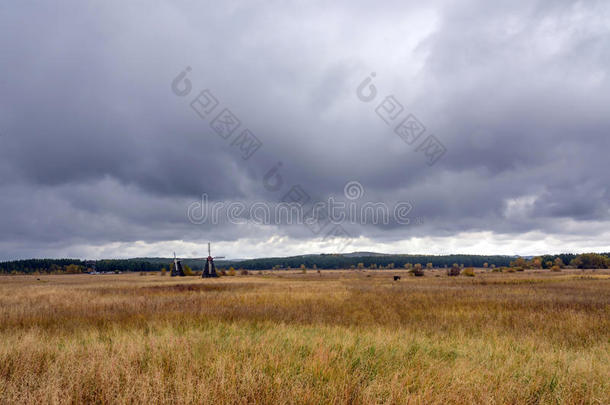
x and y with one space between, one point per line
96 150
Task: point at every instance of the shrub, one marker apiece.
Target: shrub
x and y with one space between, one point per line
163 271
417 270
469 271
555 268
243 272
454 270
231 271
223 272
508 269
519 268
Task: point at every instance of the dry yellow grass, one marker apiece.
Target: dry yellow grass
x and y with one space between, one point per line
335 337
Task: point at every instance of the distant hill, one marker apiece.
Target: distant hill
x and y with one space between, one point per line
364 254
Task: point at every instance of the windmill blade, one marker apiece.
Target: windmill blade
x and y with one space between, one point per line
219 257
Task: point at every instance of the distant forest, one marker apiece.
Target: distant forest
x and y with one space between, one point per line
322 261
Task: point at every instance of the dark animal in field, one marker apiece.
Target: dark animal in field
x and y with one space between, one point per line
396 278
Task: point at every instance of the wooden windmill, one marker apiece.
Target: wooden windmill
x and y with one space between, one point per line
177 269
210 269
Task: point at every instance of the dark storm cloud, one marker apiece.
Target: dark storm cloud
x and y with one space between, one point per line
97 149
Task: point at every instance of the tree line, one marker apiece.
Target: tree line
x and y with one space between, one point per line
322 261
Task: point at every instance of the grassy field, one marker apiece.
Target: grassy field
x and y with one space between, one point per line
335 337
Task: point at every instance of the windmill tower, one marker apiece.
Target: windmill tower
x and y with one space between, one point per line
177 269
210 269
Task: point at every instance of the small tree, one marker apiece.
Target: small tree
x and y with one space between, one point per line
520 262
469 272
74 269
231 271
303 269
360 266
187 270
163 271
536 263
592 261
408 266
485 265
558 262
429 266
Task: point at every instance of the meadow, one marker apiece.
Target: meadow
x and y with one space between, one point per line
288 337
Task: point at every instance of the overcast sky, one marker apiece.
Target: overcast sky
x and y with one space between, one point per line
102 153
